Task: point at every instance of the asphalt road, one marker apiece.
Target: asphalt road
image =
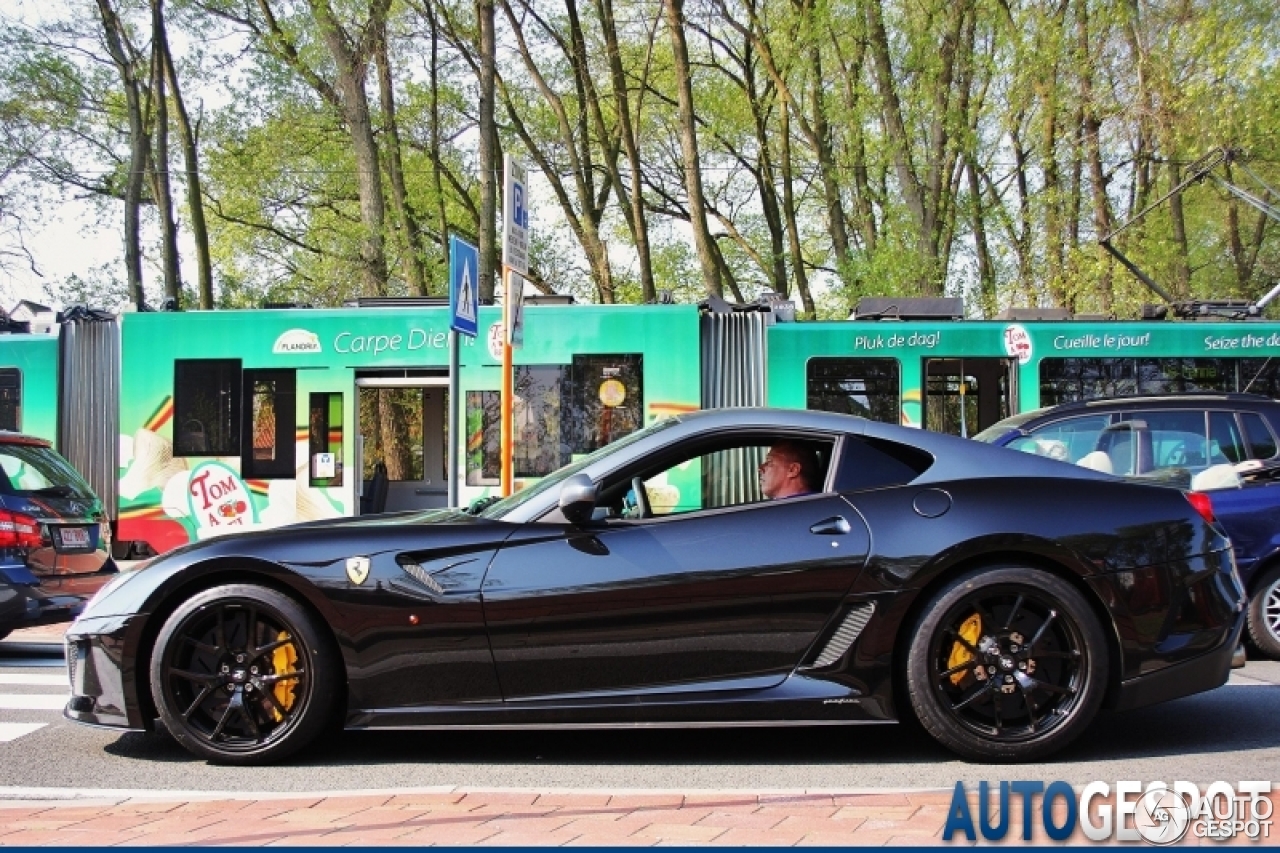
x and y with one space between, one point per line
1230 734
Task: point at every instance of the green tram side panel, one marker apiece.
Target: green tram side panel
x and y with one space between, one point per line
169 500
792 345
35 359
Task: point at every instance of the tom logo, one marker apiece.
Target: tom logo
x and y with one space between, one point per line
358 569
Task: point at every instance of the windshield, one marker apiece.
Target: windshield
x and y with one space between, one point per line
33 470
1009 424
553 480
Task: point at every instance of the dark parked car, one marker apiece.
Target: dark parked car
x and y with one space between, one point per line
53 539
1002 599
1200 435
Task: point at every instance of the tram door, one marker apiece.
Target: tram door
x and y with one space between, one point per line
403 442
963 396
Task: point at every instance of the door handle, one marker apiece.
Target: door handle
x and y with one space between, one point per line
832 526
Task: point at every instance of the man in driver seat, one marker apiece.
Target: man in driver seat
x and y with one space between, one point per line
789 470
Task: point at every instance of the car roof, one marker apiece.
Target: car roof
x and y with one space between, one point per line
7 437
1196 400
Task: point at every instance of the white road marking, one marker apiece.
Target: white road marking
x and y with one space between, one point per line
13 731
44 680
33 701
1238 680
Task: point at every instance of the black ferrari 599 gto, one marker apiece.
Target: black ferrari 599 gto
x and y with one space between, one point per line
1000 598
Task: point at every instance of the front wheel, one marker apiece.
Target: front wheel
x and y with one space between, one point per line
1006 664
1264 615
242 674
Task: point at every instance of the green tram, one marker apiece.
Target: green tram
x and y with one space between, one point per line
193 424
962 376
236 420
29 383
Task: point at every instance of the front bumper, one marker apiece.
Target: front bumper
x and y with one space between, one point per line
104 682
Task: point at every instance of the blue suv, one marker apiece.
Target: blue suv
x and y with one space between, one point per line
1226 446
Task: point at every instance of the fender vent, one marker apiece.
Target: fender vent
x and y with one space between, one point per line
419 574
843 638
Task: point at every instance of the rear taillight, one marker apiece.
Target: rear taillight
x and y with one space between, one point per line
1203 505
19 531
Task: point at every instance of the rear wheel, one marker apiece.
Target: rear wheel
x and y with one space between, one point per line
1264 614
1006 664
242 674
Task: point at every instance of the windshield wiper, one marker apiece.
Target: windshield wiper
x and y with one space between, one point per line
479 505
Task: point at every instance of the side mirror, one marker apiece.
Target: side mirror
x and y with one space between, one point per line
578 499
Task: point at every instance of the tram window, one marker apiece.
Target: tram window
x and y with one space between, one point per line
560 412
399 449
1185 375
869 387
10 399
324 436
1066 380
206 407
1262 442
1260 376
269 409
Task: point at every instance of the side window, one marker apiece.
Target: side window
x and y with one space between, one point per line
870 463
206 407
1067 440
269 410
1262 442
868 387
1226 444
11 399
709 476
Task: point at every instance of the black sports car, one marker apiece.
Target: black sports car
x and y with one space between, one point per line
1001 598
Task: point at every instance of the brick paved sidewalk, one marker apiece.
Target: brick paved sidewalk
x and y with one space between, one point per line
484 817
421 817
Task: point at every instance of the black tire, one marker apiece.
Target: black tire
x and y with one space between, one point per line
1044 664
242 674
4 632
1264 615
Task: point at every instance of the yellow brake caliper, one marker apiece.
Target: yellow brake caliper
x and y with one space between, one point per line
970 631
283 659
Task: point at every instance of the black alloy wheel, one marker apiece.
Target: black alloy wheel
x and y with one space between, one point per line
241 674
1007 664
1264 615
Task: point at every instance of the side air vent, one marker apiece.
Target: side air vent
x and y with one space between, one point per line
843 638
419 574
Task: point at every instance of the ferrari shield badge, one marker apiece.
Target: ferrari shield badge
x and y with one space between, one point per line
358 569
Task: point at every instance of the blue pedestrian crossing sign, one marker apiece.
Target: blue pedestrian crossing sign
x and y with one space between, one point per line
464 286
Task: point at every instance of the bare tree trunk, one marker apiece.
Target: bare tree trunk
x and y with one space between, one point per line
798 272
488 150
986 269
1092 124
1182 257
195 197
162 186
127 63
410 229
633 196
707 254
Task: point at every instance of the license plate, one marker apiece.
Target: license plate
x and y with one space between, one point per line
75 537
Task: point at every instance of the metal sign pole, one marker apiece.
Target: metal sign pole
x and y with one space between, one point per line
453 431
508 432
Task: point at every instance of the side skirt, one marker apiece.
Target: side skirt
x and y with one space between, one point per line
796 701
